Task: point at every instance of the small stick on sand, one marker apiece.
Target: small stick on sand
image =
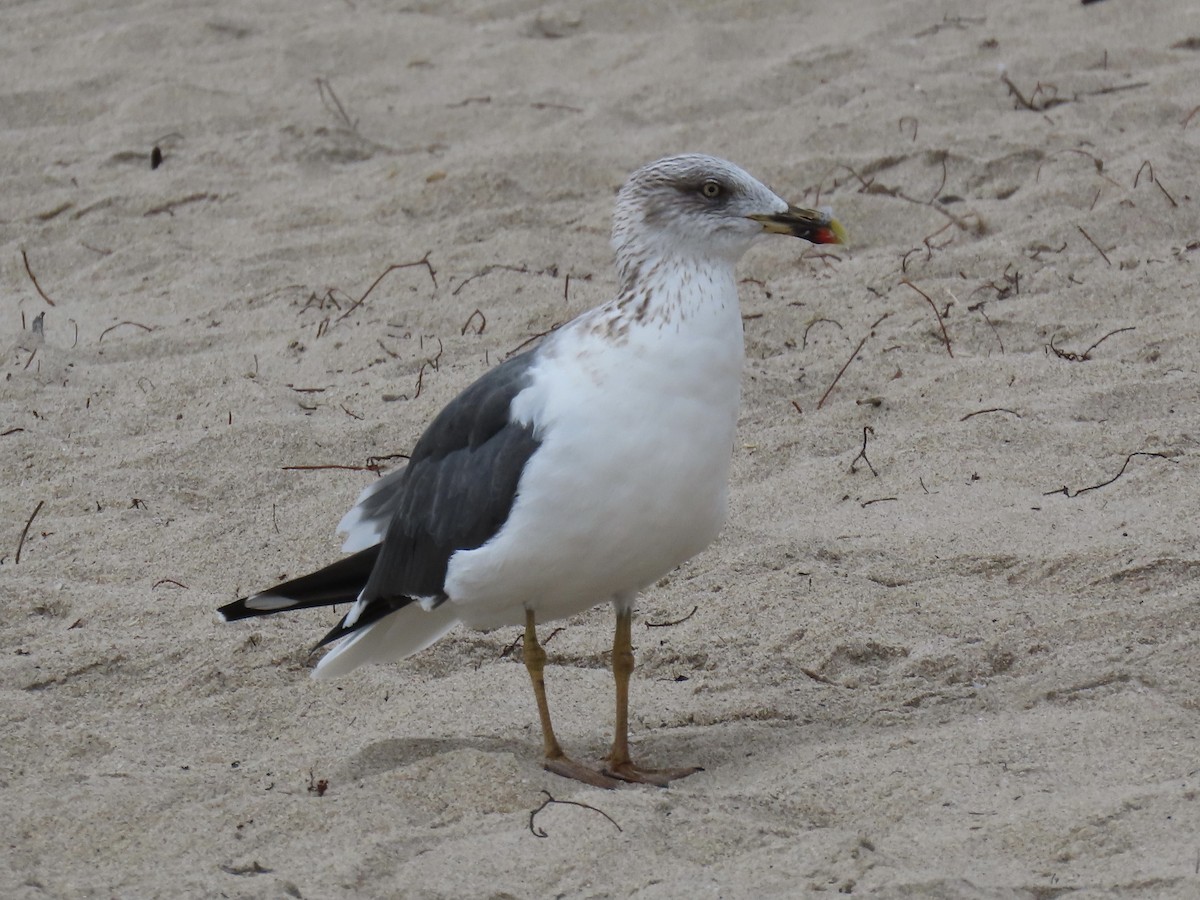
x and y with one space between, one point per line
541 832
862 454
841 371
1066 492
938 315
37 287
25 530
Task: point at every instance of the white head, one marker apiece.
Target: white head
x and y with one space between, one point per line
701 207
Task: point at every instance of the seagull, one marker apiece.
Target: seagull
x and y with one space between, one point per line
576 473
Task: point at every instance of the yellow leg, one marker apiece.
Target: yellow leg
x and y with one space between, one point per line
556 761
618 763
622 668
535 664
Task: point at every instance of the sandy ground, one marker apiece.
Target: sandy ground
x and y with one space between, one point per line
962 667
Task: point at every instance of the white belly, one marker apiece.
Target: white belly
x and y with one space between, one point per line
630 480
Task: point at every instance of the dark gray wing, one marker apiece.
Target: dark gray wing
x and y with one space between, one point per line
457 489
455 493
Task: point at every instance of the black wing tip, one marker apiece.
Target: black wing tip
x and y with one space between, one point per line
261 604
232 612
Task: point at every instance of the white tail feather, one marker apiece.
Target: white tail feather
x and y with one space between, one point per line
270 602
395 636
360 531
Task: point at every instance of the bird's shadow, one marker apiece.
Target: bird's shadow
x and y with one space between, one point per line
381 757
720 747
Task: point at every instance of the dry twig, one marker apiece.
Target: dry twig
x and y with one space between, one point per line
994 409
814 322
1103 255
841 371
423 261
541 832
1048 92
676 622
1147 165
871 186
551 271
25 530
331 102
318 468
118 325
862 454
864 504
1066 492
29 272
1086 354
169 207
520 639
482 321
937 315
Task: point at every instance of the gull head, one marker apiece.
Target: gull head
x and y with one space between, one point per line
697 207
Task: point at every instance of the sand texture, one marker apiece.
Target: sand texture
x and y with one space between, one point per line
961 665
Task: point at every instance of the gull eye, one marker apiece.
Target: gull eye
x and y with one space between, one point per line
711 190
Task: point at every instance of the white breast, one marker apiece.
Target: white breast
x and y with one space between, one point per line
631 479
